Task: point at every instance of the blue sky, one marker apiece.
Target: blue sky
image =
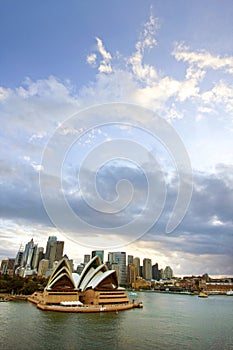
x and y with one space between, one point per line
65 59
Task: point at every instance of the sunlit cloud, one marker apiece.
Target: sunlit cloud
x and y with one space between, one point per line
202 58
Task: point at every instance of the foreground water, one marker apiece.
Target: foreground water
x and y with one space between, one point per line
166 322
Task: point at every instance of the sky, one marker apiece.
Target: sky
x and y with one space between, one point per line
116 129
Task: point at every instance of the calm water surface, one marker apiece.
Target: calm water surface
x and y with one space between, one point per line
166 322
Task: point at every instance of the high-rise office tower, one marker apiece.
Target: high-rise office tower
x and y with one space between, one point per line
119 258
168 273
51 239
116 267
19 257
87 258
37 257
100 253
147 269
110 258
43 267
136 262
56 252
130 259
26 260
155 272
131 276
161 273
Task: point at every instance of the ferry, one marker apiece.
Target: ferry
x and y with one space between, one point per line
203 295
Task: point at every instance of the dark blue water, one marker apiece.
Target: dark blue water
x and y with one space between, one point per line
166 322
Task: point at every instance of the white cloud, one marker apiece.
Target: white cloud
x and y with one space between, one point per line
216 222
221 94
105 63
44 87
4 93
147 41
202 58
91 59
106 55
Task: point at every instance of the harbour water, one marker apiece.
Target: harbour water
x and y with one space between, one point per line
167 321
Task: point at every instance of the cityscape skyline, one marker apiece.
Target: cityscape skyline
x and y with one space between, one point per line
30 256
116 129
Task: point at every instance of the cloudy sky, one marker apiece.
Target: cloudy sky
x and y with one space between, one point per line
117 128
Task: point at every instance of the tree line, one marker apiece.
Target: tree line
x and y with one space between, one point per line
20 285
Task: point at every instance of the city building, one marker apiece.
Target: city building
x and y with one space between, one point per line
87 258
155 272
116 267
37 256
168 273
55 252
43 267
161 271
130 259
100 253
147 269
131 275
136 262
80 268
19 257
110 258
4 266
51 239
27 254
119 259
7 266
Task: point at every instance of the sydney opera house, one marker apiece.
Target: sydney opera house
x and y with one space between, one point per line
95 289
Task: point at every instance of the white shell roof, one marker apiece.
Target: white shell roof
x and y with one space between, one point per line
93 261
90 275
62 269
99 278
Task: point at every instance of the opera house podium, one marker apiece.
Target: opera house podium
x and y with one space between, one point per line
95 289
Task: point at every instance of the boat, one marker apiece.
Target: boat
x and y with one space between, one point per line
133 294
203 295
229 292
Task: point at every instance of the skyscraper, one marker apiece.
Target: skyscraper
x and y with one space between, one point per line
136 262
28 254
37 257
131 277
87 258
168 273
100 253
51 239
111 258
130 259
119 258
147 269
155 272
56 252
19 257
43 267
